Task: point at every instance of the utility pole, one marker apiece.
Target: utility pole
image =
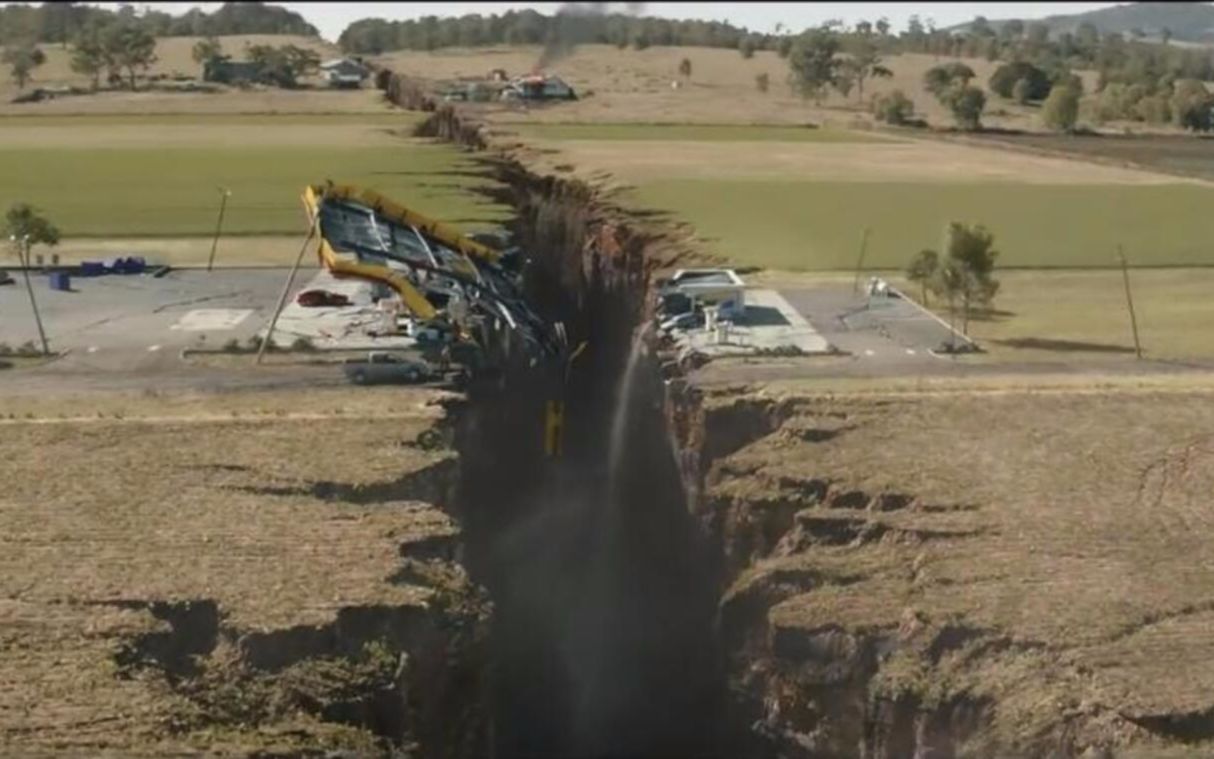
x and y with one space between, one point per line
23 253
1129 300
223 204
855 288
286 288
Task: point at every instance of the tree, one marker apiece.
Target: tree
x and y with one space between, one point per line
24 220
883 27
89 56
894 108
746 46
923 271
966 104
283 66
207 50
130 47
784 47
685 68
1061 108
865 63
813 65
22 59
938 80
1192 105
968 271
762 82
1006 76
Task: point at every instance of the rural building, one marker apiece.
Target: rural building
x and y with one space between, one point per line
538 88
721 288
343 72
225 71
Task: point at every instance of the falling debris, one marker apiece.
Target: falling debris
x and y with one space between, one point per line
457 291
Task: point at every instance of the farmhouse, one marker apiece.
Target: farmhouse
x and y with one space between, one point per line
344 72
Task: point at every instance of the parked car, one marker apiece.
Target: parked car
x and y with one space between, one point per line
385 368
683 321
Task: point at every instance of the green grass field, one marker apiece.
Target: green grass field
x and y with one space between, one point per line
802 225
135 192
687 133
388 118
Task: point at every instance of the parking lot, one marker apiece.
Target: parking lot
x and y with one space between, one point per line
881 329
136 321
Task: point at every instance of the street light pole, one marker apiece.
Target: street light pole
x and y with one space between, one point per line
286 288
23 252
223 204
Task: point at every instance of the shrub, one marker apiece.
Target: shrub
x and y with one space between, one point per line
1061 108
967 103
231 346
1154 109
1004 80
762 81
893 108
303 345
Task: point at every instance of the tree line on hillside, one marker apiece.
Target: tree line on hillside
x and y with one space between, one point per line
1114 56
1139 81
61 22
529 27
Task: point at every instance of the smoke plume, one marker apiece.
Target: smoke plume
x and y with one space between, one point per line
575 24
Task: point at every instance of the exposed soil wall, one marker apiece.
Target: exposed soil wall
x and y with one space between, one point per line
620 626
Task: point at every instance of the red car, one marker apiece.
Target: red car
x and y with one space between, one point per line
314 298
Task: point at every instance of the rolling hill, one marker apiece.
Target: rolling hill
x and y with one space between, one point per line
1188 22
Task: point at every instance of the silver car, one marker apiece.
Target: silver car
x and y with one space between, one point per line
386 368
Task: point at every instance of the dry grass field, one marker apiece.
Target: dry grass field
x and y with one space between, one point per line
137 523
635 86
1038 559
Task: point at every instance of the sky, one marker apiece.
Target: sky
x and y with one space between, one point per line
332 18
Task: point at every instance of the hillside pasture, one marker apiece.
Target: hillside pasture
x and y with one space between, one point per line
635 85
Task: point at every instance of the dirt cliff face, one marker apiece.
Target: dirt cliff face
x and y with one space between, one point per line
937 574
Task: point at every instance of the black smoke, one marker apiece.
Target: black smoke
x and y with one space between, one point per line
576 24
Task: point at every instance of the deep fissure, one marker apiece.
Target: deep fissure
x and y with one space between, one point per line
603 632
